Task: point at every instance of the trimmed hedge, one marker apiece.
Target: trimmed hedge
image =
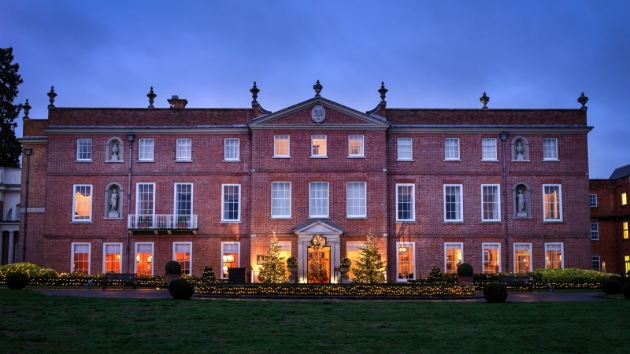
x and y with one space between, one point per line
611 286
625 290
16 280
495 292
181 289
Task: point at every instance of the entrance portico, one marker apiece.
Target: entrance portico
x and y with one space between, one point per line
305 234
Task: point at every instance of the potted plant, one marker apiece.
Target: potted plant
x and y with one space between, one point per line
344 268
292 265
173 271
465 274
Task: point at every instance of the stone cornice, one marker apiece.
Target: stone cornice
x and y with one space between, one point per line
200 129
521 129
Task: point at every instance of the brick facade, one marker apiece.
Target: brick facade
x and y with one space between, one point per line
55 171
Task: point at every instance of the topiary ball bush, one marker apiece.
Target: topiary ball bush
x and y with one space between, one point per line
181 289
173 268
16 280
611 286
625 290
495 292
465 270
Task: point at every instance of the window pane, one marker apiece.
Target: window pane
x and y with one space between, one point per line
490 203
593 200
405 261
451 148
81 258
281 145
553 255
230 255
552 202
404 202
594 231
452 203
489 149
231 201
145 197
318 145
280 199
84 149
318 201
231 149
522 256
184 149
596 263
355 199
182 255
355 145
113 255
550 149
146 150
453 255
82 202
405 151
144 259
491 258
183 200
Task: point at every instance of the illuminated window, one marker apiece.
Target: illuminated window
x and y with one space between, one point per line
625 230
355 146
593 200
230 257
405 261
522 257
280 199
490 206
453 203
405 202
489 149
184 149
182 253
145 150
451 149
231 149
594 231
453 256
144 259
112 257
596 263
624 199
82 203
353 252
183 205
231 206
405 151
552 200
284 254
491 257
84 149
355 200
626 260
550 149
281 146
318 200
80 258
318 146
553 255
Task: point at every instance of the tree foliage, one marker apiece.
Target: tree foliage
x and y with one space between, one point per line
369 268
10 149
274 268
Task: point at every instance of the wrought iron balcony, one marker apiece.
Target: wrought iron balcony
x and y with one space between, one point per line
161 222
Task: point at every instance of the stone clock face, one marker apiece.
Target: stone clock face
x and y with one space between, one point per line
318 114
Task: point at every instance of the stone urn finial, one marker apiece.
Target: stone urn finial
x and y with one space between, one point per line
583 99
151 96
51 97
254 92
318 88
382 91
27 108
484 99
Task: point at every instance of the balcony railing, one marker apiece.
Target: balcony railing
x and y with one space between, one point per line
162 221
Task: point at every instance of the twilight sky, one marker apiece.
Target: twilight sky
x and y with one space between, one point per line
431 54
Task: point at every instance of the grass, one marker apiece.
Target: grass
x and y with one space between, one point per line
32 322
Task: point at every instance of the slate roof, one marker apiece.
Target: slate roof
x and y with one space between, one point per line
621 172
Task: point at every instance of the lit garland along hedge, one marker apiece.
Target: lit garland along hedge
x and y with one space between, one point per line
350 290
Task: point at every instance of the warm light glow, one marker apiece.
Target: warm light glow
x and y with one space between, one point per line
624 199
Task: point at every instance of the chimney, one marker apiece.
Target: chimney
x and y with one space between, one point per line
177 102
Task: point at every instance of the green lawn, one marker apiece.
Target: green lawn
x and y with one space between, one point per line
32 322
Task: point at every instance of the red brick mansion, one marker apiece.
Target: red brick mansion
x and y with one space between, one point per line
129 189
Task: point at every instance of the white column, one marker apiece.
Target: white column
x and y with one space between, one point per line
302 261
11 248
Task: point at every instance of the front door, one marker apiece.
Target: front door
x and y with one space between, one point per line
319 265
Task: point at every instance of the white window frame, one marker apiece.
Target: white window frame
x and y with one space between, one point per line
319 137
412 260
531 263
413 201
183 149
497 202
599 263
105 244
356 138
489 149
547 246
490 245
453 245
592 198
146 149
558 202
74 202
458 204
190 261
238 257
89 244
138 197
450 144
402 142
594 231
281 199
84 143
311 207
176 210
550 149
223 201
235 144
361 199
356 246
135 256
277 138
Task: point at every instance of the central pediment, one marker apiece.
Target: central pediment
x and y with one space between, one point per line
320 227
318 113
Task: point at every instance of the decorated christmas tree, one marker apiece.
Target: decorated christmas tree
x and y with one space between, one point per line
273 270
369 268
317 262
208 275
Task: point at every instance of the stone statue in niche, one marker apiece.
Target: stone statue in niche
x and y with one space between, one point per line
113 205
520 205
114 152
519 151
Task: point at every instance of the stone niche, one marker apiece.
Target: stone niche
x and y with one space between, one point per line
520 149
522 201
114 196
114 150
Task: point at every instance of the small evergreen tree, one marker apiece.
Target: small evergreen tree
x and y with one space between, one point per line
10 148
273 270
435 276
369 268
208 275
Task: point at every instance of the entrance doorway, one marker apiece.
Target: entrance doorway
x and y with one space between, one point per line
318 266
